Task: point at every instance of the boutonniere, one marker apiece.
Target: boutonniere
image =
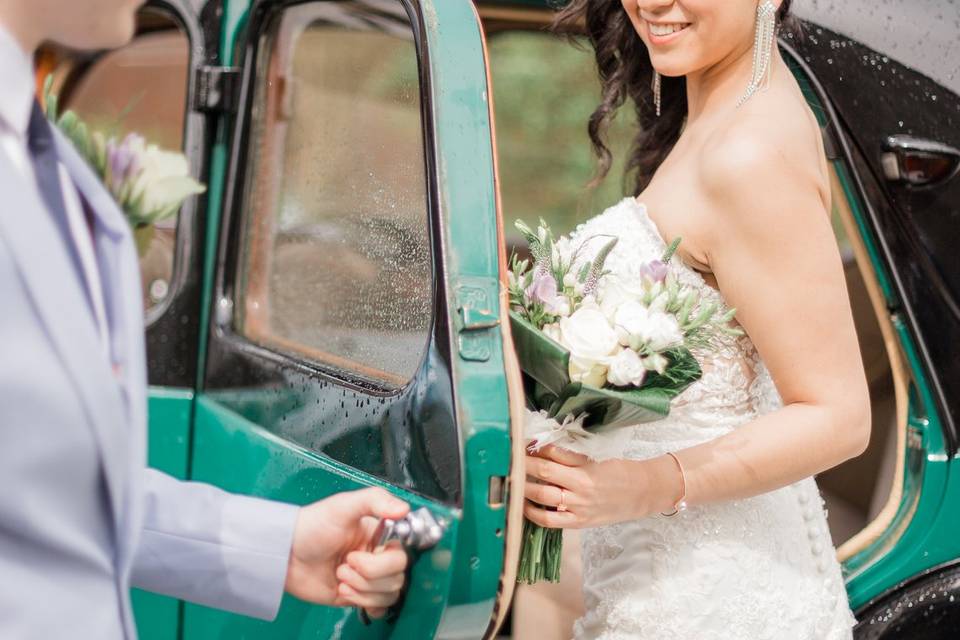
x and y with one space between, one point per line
147 182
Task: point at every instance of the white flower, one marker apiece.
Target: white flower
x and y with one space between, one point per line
656 362
552 331
164 180
569 280
591 341
663 331
626 369
636 324
631 319
659 302
614 291
564 248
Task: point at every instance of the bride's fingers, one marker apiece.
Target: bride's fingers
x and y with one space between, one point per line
552 472
563 456
547 495
549 519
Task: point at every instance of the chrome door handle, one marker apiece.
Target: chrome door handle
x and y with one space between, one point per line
418 530
917 162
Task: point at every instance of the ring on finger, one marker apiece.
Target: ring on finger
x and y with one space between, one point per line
562 506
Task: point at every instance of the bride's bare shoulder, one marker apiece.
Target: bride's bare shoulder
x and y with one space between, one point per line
764 154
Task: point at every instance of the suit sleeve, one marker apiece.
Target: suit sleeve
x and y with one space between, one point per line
202 544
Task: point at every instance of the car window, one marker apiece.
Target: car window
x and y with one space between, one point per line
139 88
335 262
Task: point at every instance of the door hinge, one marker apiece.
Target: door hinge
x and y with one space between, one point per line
216 89
476 316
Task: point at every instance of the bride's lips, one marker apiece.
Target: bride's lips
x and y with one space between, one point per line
661 33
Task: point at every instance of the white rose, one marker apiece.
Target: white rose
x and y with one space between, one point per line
626 369
591 341
662 331
632 317
614 291
164 180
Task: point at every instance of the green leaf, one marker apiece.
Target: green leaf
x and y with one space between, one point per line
540 357
671 250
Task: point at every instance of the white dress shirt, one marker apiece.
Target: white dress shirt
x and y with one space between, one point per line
16 103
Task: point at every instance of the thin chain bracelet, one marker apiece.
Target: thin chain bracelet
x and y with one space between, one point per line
681 504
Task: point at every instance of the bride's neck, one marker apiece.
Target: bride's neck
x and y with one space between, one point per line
719 86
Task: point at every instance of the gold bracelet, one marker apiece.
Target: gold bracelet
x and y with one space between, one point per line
681 504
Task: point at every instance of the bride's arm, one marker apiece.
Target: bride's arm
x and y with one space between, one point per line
775 257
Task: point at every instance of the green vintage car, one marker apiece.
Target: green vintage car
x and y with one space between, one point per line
331 315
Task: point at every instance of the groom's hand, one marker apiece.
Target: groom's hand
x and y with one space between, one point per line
329 560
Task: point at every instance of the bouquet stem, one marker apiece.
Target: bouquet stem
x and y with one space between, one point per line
540 554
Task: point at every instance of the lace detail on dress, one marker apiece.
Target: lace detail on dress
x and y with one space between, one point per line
762 567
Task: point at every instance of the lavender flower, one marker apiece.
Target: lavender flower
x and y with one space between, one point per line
654 271
123 160
543 289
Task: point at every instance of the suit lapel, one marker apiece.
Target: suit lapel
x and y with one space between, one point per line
57 292
120 276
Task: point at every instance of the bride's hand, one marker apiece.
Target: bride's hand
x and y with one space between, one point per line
596 493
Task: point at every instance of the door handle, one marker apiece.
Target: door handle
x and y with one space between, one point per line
917 162
417 531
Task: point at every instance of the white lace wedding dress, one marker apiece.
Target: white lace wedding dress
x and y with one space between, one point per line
752 569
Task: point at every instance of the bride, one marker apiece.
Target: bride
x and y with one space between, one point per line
709 524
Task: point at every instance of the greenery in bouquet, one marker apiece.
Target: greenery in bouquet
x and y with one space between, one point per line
599 350
148 183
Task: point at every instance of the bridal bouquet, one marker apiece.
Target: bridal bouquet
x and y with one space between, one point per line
147 182
598 351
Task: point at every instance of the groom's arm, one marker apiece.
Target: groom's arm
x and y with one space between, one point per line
202 544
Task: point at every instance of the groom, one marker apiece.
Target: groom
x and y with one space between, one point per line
81 518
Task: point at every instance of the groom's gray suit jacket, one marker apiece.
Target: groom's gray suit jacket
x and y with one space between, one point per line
81 518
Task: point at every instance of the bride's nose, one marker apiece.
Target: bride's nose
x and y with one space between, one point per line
651 6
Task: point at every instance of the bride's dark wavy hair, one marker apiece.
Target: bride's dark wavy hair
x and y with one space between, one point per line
626 72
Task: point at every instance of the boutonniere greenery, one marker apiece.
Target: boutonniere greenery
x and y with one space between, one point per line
148 183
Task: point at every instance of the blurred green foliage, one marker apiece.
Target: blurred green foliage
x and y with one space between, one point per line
544 91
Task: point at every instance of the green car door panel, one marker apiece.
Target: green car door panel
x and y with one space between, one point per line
253 461
387 381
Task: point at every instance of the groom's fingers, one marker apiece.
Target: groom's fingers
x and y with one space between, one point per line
378 565
379 503
388 584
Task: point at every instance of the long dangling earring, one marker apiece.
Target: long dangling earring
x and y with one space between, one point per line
763 44
656 91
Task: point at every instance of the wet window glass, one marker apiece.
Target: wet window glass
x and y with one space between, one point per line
336 263
139 88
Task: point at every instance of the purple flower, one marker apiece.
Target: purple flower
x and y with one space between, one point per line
123 160
543 289
655 271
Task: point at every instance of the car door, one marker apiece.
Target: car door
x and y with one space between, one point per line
352 308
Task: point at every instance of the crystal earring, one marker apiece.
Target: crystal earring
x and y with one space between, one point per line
656 91
763 44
